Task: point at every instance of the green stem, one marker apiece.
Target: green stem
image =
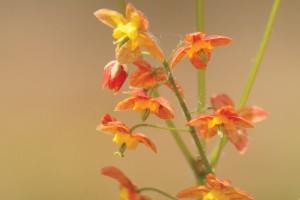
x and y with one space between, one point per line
122 6
188 118
159 127
217 151
251 78
179 140
260 55
156 190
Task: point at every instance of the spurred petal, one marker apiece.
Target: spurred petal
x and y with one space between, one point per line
217 184
253 114
220 100
179 55
216 40
119 176
239 138
110 17
193 192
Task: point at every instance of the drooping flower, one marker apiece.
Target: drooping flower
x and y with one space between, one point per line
216 190
140 102
224 119
131 34
198 49
146 77
127 188
122 134
114 75
252 114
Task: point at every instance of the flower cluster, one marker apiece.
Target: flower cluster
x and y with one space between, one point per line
133 43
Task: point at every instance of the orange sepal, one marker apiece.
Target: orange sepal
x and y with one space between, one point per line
253 113
109 124
193 192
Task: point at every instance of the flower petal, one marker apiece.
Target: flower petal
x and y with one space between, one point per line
111 125
145 140
179 55
200 119
236 194
165 110
220 100
127 55
239 138
240 122
137 17
151 46
217 184
193 192
200 59
110 17
117 174
126 104
217 40
253 114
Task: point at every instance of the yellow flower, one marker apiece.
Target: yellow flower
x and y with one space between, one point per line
130 33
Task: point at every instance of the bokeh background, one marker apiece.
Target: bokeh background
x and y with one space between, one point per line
52 55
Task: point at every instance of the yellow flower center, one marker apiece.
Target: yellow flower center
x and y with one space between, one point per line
215 195
128 30
124 193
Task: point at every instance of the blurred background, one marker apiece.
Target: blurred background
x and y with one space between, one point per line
52 55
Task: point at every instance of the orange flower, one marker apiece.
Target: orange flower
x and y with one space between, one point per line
198 49
114 75
147 77
131 34
122 134
217 190
225 118
140 101
127 189
252 114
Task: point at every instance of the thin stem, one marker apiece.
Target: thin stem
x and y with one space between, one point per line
188 118
122 6
252 75
159 127
186 153
260 54
156 190
214 159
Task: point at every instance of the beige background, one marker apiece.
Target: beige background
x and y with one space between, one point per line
52 55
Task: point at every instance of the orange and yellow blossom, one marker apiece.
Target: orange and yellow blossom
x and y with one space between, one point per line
140 102
122 134
252 114
131 34
146 77
198 49
114 75
216 190
127 189
225 118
